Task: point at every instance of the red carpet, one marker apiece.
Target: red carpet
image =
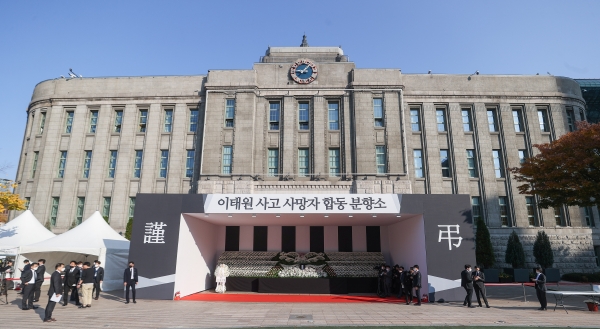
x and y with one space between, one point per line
282 298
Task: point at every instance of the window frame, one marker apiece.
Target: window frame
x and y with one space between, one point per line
523 155
69 121
131 209
54 210
118 123
80 210
229 115
419 167
168 120
476 206
416 124
226 159
193 125
303 166
469 116
36 155
334 162
333 124
571 119
273 162
498 163
379 121
503 207
142 121
106 205
472 160
87 164
42 123
274 115
112 163
163 164
93 123
303 123
560 216
62 164
543 120
448 167
189 163
138 162
381 159
517 116
443 125
530 204
492 119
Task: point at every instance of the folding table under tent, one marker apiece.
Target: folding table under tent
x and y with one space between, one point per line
23 230
93 239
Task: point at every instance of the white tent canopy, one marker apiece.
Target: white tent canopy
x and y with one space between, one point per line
25 229
93 239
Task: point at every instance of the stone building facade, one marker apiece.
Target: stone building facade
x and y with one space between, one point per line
302 120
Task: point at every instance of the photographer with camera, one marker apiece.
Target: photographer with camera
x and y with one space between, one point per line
5 270
380 279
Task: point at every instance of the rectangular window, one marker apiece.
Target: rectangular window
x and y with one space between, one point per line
472 164
54 211
303 116
476 206
504 220
498 166
466 120
492 120
334 115
42 122
27 202
227 157
522 156
589 217
543 120
69 122
193 120
189 163
273 162
380 159
93 121
517 120
62 163
118 121
112 164
571 119
168 124
274 108
303 162
34 165
418 155
445 161
106 209
142 121
229 112
334 162
558 216
131 206
415 119
440 117
378 111
137 164
80 210
164 164
87 163
531 211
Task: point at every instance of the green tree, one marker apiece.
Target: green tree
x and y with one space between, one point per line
542 250
129 228
106 219
514 251
484 252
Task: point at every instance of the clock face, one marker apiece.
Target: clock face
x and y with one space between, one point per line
303 71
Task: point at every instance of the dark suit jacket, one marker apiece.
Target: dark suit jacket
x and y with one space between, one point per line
387 277
26 267
41 271
540 284
55 284
99 274
481 282
408 280
417 280
26 276
127 275
72 278
466 280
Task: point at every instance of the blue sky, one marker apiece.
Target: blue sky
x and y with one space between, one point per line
41 40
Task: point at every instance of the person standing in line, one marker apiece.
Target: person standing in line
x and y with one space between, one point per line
98 278
71 279
28 282
86 284
417 284
479 285
466 281
56 286
387 281
401 277
25 268
41 271
130 280
540 288
408 285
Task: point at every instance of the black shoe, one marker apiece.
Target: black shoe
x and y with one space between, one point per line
36 300
540 309
487 306
418 304
127 302
25 309
134 301
471 306
34 307
96 298
479 306
88 305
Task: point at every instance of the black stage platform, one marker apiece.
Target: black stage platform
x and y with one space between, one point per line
303 285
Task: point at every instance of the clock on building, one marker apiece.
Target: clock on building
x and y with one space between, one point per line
303 71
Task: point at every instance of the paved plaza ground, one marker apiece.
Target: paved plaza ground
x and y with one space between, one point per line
508 310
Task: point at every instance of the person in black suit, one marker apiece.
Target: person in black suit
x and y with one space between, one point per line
401 275
466 281
25 268
408 285
479 285
387 281
41 271
72 275
417 284
540 288
28 279
130 280
55 288
98 278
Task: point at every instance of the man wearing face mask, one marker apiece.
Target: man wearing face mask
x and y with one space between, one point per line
55 288
130 280
466 281
98 278
28 282
71 277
